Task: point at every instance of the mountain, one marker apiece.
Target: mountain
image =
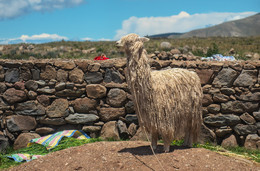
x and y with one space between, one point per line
249 26
166 35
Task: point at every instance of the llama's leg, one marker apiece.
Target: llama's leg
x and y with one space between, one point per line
154 139
188 136
166 143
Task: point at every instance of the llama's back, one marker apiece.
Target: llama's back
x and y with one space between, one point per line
177 94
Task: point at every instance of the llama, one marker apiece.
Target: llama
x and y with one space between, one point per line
167 102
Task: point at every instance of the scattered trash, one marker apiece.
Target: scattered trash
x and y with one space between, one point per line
219 57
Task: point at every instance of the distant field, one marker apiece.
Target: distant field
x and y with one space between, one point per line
69 49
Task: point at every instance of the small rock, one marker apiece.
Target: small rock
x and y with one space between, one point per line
227 91
129 107
222 120
96 91
23 139
53 121
241 129
246 78
44 130
60 86
31 85
21 123
48 73
19 86
12 75
44 100
214 108
220 98
91 129
93 77
122 129
252 142
116 97
62 75
207 100
110 131
14 96
229 142
58 108
76 75
84 105
132 129
256 115
223 131
31 108
81 118
248 119
108 114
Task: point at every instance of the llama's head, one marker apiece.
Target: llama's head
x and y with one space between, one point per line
130 40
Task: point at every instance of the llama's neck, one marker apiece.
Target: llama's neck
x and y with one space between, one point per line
139 73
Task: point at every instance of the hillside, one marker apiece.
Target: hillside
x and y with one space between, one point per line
249 26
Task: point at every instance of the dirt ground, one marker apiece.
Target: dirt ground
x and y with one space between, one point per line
135 155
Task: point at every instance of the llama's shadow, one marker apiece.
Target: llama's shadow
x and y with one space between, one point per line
146 150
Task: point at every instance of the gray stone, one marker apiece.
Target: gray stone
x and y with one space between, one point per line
250 97
214 108
23 139
4 144
93 77
31 85
132 129
131 118
122 129
222 132
222 120
44 130
2 87
81 118
225 77
227 91
35 74
207 100
30 108
91 128
246 78
53 121
116 97
108 114
41 83
12 75
129 107
206 135
166 45
3 105
256 115
14 96
96 91
32 95
248 119
25 74
58 108
21 123
241 129
220 98
60 86
238 107
70 85
46 90
109 131
113 76
70 93
229 142
83 105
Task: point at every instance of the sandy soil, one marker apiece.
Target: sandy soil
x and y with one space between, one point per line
135 155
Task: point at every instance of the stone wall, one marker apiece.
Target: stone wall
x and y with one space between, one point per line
44 96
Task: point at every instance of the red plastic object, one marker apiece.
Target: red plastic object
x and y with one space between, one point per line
101 58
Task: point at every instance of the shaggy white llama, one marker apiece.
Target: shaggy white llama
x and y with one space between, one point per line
167 102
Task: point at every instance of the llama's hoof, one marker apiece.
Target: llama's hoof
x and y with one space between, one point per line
166 149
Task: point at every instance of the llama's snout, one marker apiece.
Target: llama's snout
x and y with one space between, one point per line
119 43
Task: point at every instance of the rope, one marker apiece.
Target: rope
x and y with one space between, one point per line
138 110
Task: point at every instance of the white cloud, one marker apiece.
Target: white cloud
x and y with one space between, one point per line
182 22
15 8
86 39
41 38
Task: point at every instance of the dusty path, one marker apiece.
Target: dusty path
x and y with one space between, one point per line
135 155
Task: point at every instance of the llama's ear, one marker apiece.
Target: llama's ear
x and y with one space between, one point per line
144 39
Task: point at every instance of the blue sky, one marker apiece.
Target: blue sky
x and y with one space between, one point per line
39 20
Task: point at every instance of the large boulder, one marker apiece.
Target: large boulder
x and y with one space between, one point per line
205 75
116 97
225 77
108 114
84 105
81 118
31 108
58 108
14 96
96 91
110 131
23 139
246 78
21 123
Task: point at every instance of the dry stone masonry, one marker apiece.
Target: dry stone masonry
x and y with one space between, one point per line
40 97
